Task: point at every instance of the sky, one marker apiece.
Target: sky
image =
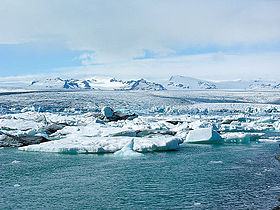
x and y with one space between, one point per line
154 39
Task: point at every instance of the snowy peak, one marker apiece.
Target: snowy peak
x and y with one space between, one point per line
142 84
249 85
174 83
100 83
182 82
58 83
261 84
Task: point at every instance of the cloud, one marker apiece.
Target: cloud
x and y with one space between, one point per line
118 31
211 66
87 58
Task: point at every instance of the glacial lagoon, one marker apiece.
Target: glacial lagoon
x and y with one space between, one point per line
239 173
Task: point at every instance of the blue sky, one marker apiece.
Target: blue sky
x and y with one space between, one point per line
149 38
21 59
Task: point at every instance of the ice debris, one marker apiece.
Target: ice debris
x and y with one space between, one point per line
241 137
50 129
8 140
203 136
109 115
107 112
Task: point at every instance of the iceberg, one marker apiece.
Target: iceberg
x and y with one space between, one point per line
160 143
127 150
240 137
204 136
82 144
107 112
276 125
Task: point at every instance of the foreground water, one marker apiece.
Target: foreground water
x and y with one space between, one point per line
198 176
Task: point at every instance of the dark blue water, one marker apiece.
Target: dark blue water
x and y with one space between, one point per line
198 176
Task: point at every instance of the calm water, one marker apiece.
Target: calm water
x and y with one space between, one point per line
198 176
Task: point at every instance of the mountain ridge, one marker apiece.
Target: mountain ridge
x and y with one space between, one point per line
175 82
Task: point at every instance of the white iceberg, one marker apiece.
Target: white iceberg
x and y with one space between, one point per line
241 137
127 150
203 136
74 144
159 143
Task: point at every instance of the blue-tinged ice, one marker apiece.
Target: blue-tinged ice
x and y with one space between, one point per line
127 150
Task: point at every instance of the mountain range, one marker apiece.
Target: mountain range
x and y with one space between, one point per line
173 83
98 83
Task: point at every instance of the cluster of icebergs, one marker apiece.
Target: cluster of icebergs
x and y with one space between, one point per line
88 133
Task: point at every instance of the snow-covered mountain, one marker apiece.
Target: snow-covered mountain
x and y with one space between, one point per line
182 82
249 85
141 84
99 83
58 83
185 83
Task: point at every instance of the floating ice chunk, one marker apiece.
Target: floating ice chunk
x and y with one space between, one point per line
248 127
107 112
185 126
127 150
2 136
163 143
243 138
17 141
204 136
74 144
240 137
126 133
267 120
216 162
19 124
100 121
202 124
269 140
276 125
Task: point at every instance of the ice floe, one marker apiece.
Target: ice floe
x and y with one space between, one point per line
104 144
241 137
203 136
216 162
